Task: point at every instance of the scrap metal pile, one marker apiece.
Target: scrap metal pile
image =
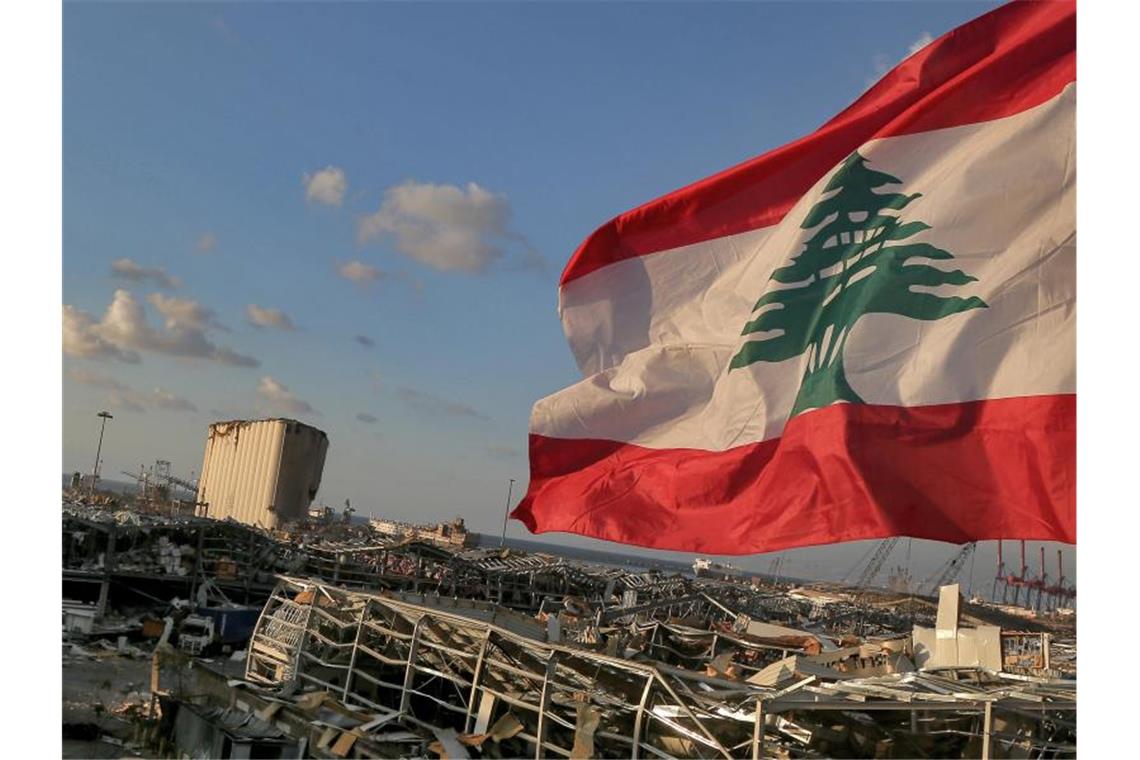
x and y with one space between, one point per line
129 546
370 646
489 682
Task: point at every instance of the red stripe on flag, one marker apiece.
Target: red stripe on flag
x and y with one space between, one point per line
999 468
1005 62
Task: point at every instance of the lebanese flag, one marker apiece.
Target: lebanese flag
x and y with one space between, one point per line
868 332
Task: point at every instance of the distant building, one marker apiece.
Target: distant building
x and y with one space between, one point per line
706 568
453 534
261 472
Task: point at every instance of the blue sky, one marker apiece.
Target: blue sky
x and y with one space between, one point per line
413 174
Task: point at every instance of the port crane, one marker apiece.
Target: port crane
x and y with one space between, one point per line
882 551
1038 584
774 568
1059 593
951 569
157 479
1049 595
189 486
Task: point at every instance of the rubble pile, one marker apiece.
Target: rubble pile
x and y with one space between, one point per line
648 682
373 646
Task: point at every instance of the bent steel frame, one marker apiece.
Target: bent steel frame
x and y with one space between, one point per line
466 665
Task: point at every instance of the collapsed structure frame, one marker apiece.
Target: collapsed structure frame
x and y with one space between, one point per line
479 669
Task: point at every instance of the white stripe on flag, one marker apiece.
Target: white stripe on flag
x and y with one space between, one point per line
655 334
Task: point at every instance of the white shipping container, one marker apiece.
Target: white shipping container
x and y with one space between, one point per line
261 472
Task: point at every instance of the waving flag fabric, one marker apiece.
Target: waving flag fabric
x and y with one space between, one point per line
868 332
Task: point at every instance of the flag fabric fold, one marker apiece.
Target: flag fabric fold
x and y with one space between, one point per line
865 333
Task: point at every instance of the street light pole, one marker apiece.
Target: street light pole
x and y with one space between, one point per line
507 513
98 451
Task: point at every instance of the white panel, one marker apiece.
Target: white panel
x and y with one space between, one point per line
947 620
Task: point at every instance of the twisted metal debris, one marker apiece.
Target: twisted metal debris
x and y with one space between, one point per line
448 663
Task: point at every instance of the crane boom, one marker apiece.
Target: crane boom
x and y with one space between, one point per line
876 563
949 571
172 480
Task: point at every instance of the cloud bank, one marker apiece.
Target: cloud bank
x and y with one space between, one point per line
123 396
123 332
185 313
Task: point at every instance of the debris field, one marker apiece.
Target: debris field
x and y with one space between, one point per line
333 639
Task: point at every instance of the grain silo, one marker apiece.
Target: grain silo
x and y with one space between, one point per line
261 472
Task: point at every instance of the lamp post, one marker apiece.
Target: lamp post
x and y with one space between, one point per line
507 513
98 451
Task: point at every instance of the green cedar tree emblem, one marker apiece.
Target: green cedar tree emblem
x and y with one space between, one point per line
858 261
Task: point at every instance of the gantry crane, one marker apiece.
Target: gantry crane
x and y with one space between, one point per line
1050 593
156 481
1009 581
1059 594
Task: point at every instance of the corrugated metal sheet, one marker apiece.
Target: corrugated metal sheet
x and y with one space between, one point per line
261 472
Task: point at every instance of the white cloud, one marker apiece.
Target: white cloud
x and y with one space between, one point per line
124 331
206 242
81 338
326 186
266 317
184 313
125 397
921 42
358 271
446 227
131 271
281 399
